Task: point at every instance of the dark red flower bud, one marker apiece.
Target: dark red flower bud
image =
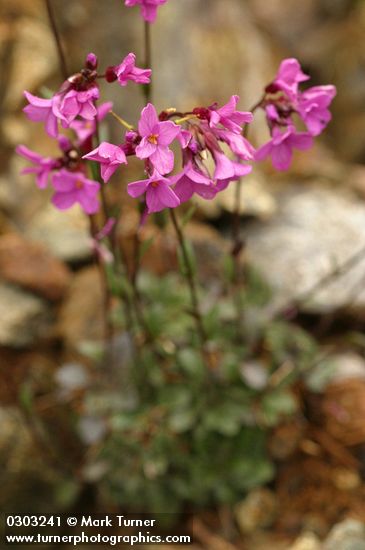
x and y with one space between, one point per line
110 75
202 113
272 88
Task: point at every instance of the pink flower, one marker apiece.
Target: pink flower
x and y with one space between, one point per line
43 166
239 145
159 194
192 180
281 145
44 110
148 8
229 117
74 187
288 77
109 156
127 70
227 169
75 103
313 107
156 136
85 129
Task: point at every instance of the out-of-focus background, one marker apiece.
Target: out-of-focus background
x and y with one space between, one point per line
298 227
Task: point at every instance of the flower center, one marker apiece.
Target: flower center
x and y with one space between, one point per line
153 138
79 184
155 184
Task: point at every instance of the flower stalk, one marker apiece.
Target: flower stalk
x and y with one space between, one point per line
190 279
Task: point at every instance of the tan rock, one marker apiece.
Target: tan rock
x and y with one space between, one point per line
81 314
31 266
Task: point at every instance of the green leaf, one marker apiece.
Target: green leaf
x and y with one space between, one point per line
277 404
317 378
181 420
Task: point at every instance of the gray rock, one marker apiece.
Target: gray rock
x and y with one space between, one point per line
315 230
347 535
23 317
64 233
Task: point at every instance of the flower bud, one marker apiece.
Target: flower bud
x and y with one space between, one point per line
110 75
91 61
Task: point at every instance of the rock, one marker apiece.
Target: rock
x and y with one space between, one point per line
345 479
315 230
257 511
23 318
80 317
347 535
306 541
209 248
256 200
31 266
348 365
71 378
64 233
32 38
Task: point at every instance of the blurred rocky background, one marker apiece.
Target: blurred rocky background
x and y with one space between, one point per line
298 227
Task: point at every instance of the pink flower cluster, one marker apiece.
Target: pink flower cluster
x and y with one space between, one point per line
201 135
282 102
148 8
68 177
74 106
211 140
76 99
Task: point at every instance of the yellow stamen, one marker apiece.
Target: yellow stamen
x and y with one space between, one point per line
79 184
155 184
153 138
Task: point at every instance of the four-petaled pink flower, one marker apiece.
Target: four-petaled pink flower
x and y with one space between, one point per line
192 180
156 136
82 104
313 107
281 146
109 156
148 8
127 71
42 165
159 194
75 187
44 110
229 117
289 76
85 129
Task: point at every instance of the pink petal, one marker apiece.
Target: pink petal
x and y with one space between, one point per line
264 151
63 201
301 140
89 203
167 196
148 120
281 156
167 132
163 160
137 188
145 149
38 101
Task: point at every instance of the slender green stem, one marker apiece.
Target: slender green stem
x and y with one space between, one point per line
57 39
107 298
147 59
190 278
237 241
